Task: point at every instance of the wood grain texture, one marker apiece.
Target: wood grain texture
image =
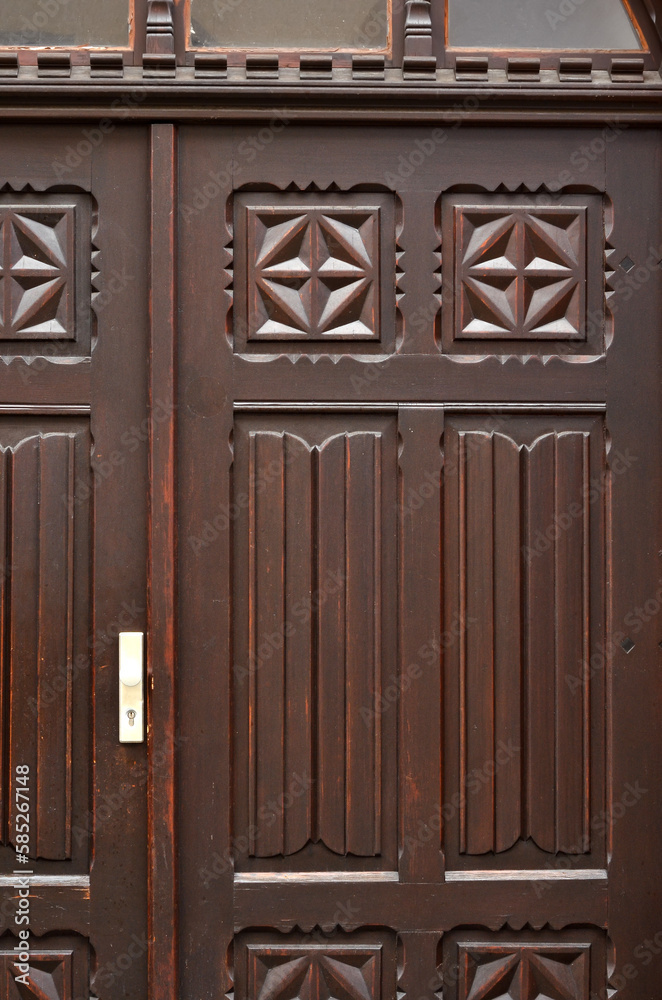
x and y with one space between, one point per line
526 532
47 260
160 33
461 553
528 277
633 577
42 525
421 547
355 970
206 654
162 593
313 668
368 632
359 966
419 908
313 274
38 260
58 969
567 965
73 550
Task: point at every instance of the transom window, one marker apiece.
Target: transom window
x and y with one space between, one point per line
310 25
66 23
584 25
421 36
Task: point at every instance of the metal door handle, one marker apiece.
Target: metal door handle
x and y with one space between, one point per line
131 681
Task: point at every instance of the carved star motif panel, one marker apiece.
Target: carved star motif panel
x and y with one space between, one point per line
35 272
314 973
521 280
545 973
45 269
313 269
59 971
47 977
315 966
567 965
521 273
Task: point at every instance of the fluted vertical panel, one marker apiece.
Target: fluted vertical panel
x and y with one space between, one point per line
37 514
314 607
522 525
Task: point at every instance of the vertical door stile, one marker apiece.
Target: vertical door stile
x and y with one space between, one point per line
420 602
162 590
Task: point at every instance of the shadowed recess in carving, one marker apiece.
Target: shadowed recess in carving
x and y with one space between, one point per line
543 973
312 273
57 969
315 276
521 273
36 273
319 716
314 972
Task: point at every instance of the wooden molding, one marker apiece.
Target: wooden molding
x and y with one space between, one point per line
162 598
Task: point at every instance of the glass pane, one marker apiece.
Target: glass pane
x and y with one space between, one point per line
540 24
290 24
65 22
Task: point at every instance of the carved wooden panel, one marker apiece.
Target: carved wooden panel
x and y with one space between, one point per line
568 965
44 531
317 972
524 523
315 571
524 973
316 966
508 567
313 269
56 969
526 273
45 270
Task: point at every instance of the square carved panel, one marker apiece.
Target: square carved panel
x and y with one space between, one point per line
524 973
565 965
45 270
57 969
315 966
318 972
312 269
522 274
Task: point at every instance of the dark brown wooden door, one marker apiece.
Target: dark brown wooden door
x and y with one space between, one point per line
74 235
418 485
360 424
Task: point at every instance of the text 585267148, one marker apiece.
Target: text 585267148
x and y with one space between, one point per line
22 821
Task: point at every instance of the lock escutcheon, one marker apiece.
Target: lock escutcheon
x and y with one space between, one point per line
131 684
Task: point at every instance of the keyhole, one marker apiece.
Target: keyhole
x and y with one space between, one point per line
131 715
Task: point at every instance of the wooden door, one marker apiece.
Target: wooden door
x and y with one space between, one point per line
418 483
397 569
74 238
